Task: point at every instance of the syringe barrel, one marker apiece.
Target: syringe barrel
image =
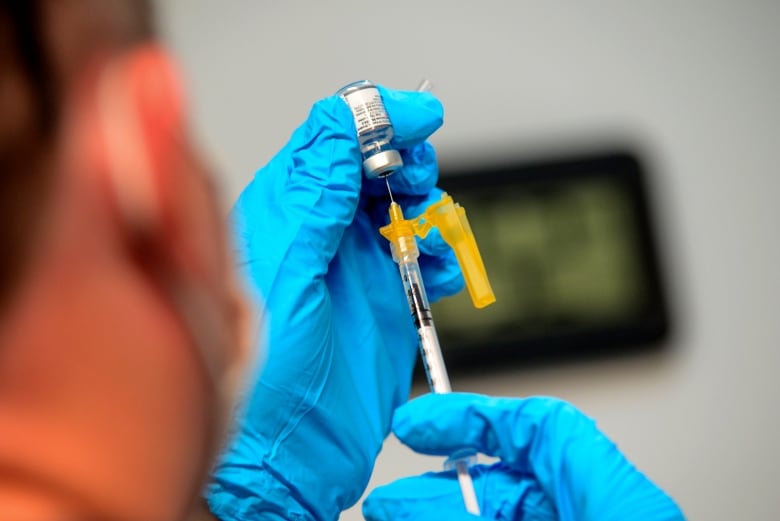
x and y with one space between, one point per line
405 254
461 461
435 370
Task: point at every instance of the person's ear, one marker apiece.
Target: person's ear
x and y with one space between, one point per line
131 138
126 129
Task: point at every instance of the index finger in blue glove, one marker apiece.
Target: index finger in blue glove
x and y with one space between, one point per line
417 177
502 494
426 497
414 115
502 427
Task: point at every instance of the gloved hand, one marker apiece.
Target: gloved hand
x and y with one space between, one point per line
341 343
555 464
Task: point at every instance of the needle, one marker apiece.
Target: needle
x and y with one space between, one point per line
387 180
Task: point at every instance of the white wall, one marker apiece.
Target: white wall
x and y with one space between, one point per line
698 85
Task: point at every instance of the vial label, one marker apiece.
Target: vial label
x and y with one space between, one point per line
368 109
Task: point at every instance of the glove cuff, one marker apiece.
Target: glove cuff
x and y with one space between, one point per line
231 502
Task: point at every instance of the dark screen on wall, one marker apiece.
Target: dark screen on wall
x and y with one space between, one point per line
570 252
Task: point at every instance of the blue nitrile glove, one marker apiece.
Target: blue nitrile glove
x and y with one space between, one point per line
555 464
341 343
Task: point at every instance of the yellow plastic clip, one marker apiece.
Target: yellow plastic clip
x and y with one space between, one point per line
450 219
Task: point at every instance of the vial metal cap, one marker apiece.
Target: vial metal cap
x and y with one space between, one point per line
382 164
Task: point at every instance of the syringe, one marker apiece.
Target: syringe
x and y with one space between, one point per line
401 234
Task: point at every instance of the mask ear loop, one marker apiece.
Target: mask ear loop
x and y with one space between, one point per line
136 182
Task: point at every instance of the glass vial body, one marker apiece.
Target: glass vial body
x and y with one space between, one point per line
374 129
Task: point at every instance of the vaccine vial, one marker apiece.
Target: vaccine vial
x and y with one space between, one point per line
374 129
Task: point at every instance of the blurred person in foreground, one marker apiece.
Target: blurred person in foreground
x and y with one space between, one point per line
125 340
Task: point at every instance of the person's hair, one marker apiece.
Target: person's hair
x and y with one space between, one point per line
24 61
24 18
29 68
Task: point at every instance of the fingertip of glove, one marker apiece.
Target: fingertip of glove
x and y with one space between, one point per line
420 171
435 245
423 99
415 115
441 271
424 424
422 497
546 409
446 287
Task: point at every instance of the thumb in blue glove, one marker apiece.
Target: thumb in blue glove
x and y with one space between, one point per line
555 464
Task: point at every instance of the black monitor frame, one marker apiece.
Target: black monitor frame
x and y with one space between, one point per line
646 329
